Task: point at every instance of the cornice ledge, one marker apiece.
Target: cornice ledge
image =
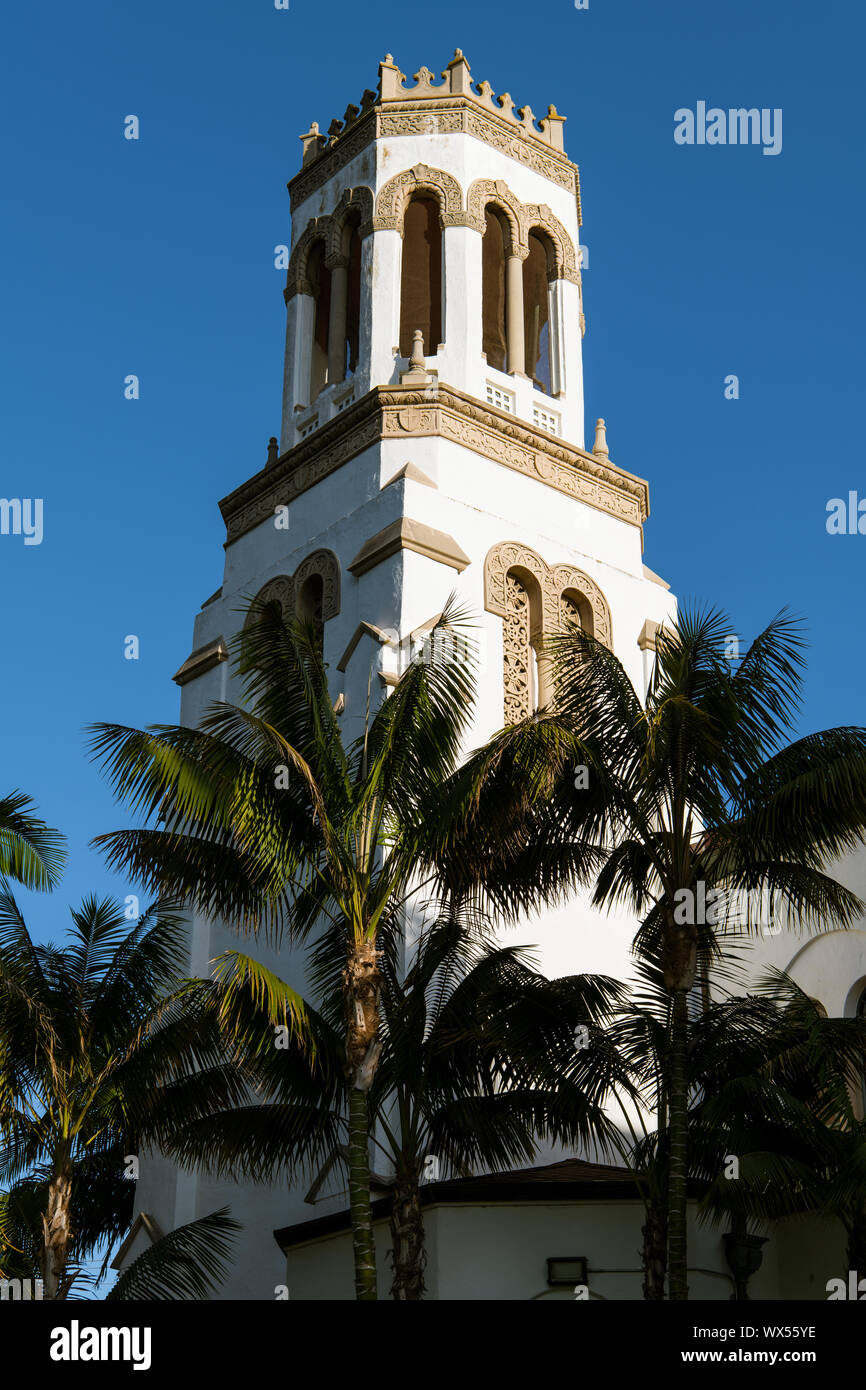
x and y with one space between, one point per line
406 534
201 660
390 412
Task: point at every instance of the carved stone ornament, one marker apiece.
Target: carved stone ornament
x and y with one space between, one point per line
285 589
522 219
485 191
457 103
388 412
328 229
393 196
535 601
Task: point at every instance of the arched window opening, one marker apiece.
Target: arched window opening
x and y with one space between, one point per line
536 315
311 603
353 301
575 608
320 281
421 276
493 290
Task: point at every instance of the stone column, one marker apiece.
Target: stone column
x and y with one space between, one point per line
339 268
514 330
301 309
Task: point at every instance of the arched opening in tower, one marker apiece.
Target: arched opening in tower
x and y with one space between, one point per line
311 604
320 281
493 290
353 301
421 276
536 311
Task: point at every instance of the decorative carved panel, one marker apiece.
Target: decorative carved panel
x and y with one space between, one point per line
400 411
567 594
516 651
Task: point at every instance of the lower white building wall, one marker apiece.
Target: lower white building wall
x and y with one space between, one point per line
499 1252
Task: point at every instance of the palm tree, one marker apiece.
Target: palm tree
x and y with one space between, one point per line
479 1061
97 1058
189 1263
695 791
263 817
30 852
788 1106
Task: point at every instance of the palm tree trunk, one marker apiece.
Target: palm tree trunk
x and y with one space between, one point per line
407 1238
655 1254
360 1206
362 988
678 1288
56 1231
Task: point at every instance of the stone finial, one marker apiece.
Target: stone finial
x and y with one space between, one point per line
416 373
600 448
417 361
552 125
273 450
312 142
460 76
391 79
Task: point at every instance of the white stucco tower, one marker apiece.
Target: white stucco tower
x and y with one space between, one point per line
432 440
412 465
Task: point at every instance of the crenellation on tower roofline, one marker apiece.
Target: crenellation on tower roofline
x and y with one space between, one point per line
454 105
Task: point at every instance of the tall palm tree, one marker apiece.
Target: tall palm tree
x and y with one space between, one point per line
479 1062
263 816
696 789
96 1059
30 852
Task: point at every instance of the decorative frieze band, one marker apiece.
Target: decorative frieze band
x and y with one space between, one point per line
397 412
459 116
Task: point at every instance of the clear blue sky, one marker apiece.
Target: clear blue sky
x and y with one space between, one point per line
156 258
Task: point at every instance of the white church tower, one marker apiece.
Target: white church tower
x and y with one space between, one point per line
432 441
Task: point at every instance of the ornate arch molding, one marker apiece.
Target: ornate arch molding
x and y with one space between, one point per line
329 230
555 583
481 194
280 590
394 195
567 582
359 200
539 215
285 588
500 561
297 280
325 564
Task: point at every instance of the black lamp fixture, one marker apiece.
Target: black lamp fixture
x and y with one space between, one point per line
564 1271
744 1254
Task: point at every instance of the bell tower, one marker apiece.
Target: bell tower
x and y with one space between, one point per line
432 431
432 440
436 208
